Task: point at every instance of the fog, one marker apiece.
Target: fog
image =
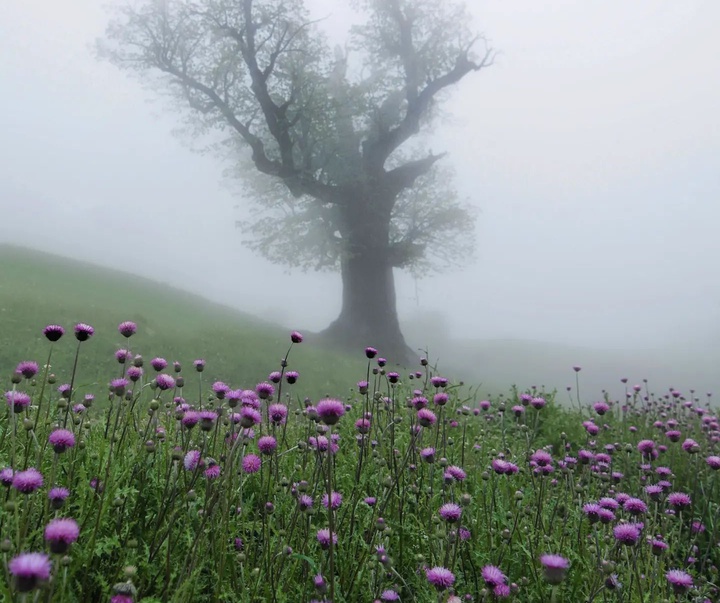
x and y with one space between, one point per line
591 149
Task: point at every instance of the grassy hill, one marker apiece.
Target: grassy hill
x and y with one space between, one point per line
37 289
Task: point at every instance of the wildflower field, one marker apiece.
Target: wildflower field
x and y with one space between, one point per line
164 485
163 459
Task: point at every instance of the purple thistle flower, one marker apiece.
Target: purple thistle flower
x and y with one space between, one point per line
591 428
19 401
627 533
158 363
541 458
370 352
213 471
191 460
679 500
127 328
83 331
249 417
555 567
292 376
60 534
121 598
233 397
122 356
335 498
6 477
606 516
251 463
277 413
64 391
370 501
654 492
330 410
428 455
27 481
713 462
207 419
601 408
592 511
389 596
220 389
190 419
164 381
585 456
537 403
296 337
679 580
275 377
440 399
492 576
440 577
199 365
323 537
53 332
305 502
134 373
267 444
29 569
320 585
426 417
658 546
27 369
635 506
362 426
690 446
456 473
264 390
419 402
673 435
61 440
58 496
501 591
117 386
450 512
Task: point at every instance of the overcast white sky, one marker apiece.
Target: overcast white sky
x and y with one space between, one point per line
591 148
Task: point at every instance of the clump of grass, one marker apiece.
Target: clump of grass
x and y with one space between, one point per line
181 487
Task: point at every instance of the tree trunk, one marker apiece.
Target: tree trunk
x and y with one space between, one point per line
369 311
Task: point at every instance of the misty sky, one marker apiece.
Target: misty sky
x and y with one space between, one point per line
591 149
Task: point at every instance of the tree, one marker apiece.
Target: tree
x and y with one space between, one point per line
325 141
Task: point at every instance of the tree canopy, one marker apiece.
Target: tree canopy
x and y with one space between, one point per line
312 128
